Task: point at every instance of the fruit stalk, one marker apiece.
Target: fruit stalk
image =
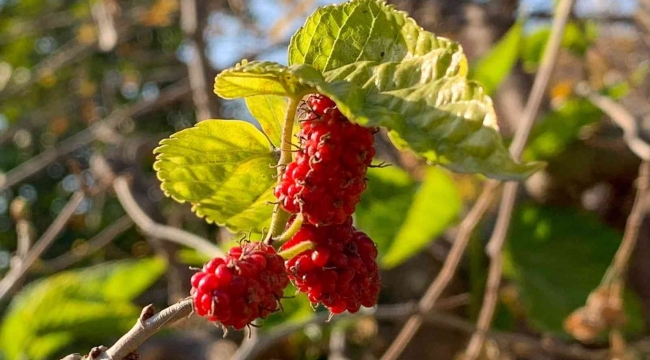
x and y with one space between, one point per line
280 217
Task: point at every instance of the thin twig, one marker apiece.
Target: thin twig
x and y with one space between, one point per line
197 63
147 325
523 345
441 281
497 240
159 231
93 245
87 136
633 225
15 274
337 343
623 118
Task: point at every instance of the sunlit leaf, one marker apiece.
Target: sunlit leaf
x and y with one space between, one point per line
224 168
382 69
363 30
269 111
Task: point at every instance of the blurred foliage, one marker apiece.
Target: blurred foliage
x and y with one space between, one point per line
556 256
492 68
82 306
402 216
577 38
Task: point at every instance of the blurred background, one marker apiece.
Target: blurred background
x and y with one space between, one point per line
88 89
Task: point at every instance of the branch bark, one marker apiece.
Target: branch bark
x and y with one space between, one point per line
16 274
159 231
147 325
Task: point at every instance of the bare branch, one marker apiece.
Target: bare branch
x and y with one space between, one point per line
87 136
633 226
623 118
522 345
441 281
15 274
159 231
197 64
147 325
98 242
495 245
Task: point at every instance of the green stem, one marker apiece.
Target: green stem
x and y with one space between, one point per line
297 249
280 217
291 231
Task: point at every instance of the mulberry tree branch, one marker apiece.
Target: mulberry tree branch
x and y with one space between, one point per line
497 240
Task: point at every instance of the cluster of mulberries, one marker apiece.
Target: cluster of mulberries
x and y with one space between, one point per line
328 175
324 184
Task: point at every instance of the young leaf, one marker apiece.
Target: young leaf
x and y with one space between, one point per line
435 206
495 66
556 256
264 78
224 168
269 111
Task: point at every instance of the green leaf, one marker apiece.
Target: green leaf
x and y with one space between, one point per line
269 111
382 69
435 206
449 120
363 30
75 305
556 256
384 205
265 78
405 79
497 64
224 168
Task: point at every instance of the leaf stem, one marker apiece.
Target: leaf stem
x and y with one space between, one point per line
280 217
297 249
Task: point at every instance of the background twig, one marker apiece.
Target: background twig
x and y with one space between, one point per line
93 245
495 245
15 274
159 231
